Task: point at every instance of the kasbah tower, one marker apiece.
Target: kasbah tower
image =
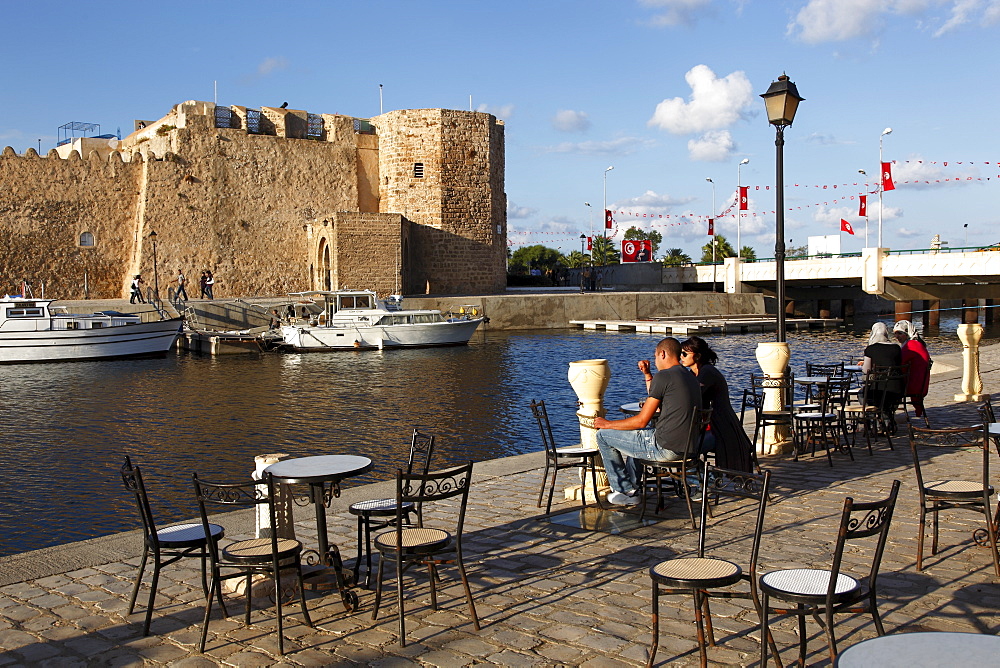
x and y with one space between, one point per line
271 200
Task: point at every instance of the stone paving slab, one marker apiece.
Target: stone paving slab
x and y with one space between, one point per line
546 594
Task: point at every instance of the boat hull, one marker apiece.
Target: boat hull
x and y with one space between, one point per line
307 338
147 339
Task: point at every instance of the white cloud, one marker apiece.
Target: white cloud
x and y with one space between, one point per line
920 175
675 12
651 202
827 140
515 211
907 233
714 146
839 20
567 120
270 65
503 112
713 104
834 214
620 146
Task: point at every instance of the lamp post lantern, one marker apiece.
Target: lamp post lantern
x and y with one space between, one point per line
156 273
781 101
710 218
887 131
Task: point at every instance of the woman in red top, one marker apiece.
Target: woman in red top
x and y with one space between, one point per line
915 354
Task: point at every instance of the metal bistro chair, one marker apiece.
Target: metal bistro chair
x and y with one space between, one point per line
409 546
949 493
421 448
268 556
702 576
867 414
824 425
678 470
557 459
167 545
764 417
822 592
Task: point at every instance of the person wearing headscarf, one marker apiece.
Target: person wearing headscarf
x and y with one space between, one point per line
882 353
726 436
915 355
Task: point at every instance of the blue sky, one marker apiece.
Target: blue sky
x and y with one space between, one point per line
666 91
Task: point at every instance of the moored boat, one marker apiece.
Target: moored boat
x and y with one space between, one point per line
32 331
351 319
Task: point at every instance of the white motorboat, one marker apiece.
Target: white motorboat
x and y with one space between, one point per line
351 319
31 331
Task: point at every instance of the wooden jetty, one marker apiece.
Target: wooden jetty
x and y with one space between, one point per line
709 324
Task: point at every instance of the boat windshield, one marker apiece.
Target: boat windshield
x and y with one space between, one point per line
354 302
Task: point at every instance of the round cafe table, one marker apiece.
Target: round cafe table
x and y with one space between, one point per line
316 472
922 650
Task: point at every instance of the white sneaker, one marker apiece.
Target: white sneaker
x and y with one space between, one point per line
619 499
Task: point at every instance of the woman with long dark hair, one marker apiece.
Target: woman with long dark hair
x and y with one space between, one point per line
726 435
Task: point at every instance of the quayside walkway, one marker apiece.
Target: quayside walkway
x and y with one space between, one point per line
546 594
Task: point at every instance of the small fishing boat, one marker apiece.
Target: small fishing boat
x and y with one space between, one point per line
351 319
32 331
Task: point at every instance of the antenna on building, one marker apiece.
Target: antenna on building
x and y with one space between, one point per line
470 101
215 86
380 99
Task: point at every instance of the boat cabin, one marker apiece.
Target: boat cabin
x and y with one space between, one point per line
32 315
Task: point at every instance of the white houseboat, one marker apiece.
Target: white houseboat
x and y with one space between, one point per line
31 331
350 319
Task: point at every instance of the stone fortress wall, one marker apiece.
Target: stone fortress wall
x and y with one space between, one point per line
271 200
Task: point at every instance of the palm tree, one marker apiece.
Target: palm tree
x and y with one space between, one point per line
676 257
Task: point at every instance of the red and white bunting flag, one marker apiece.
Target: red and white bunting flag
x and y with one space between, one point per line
608 219
711 227
887 176
846 227
863 212
743 197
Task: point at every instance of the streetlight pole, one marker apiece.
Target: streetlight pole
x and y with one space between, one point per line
606 209
880 182
739 206
861 171
781 100
156 273
711 218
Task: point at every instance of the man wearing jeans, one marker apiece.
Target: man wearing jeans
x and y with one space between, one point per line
675 392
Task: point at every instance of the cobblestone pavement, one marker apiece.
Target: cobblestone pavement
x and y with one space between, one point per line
546 594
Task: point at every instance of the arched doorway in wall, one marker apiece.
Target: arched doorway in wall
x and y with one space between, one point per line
325 271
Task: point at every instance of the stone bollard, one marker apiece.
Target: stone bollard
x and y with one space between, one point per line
773 360
972 383
589 379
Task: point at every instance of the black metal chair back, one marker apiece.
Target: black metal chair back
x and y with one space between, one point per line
132 477
544 427
578 456
834 370
717 483
859 521
677 469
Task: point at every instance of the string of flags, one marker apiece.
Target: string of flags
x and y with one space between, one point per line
741 202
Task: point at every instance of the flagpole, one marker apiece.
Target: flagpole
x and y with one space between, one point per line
865 174
881 184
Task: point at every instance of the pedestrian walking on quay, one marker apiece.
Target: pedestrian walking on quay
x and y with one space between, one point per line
181 283
210 284
136 295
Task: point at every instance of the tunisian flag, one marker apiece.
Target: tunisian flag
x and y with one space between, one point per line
863 212
711 227
887 183
590 243
846 227
743 197
608 219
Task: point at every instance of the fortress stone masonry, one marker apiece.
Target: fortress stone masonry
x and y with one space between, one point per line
271 200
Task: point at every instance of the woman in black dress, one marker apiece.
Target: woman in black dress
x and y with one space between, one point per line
726 435
882 353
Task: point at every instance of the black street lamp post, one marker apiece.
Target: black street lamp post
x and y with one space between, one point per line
583 263
781 100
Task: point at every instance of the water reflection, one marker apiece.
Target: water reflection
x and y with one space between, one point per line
67 426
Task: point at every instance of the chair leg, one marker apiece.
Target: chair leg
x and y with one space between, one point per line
276 579
138 579
921 530
831 636
249 589
545 479
770 639
593 476
399 599
468 591
152 594
934 528
764 631
687 498
212 587
378 586
800 612
432 574
552 489
357 561
656 625
708 619
876 617
302 592
991 532
699 624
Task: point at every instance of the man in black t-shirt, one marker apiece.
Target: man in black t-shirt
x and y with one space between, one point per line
675 392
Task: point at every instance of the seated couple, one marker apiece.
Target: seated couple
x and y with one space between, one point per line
675 392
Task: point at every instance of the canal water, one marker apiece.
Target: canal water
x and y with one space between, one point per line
67 426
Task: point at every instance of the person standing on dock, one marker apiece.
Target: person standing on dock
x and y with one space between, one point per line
136 295
181 283
672 390
210 284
